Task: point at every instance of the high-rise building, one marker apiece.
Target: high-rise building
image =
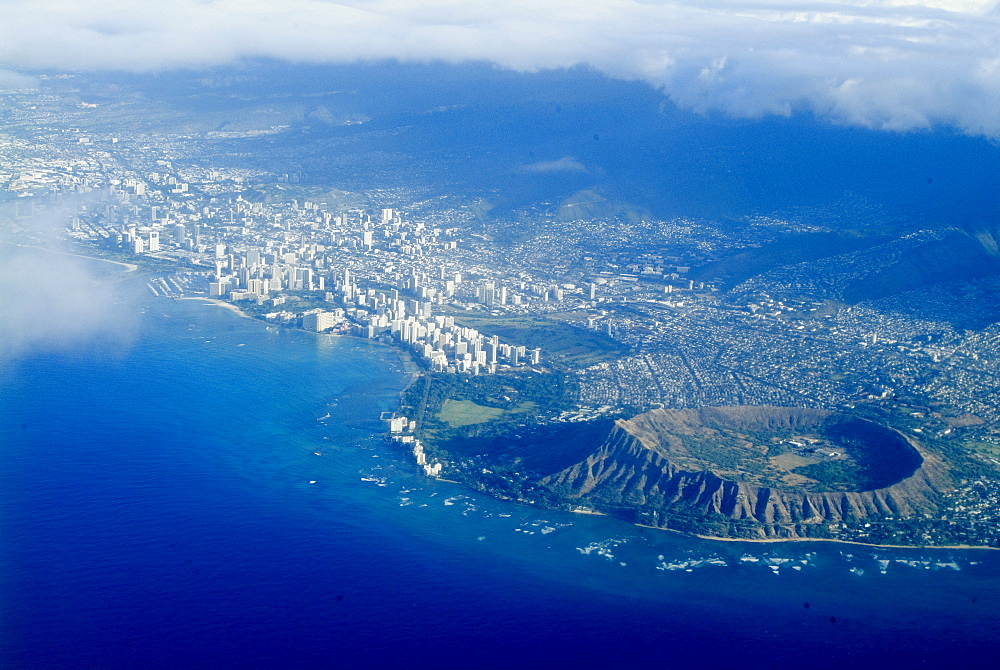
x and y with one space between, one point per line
219 288
489 293
304 279
320 321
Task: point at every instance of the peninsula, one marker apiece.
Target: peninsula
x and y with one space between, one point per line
826 370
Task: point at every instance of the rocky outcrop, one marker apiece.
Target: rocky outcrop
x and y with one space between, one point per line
639 466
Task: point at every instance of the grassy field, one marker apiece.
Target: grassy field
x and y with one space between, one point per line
448 406
457 413
984 448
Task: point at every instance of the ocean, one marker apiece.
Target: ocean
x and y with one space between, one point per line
209 491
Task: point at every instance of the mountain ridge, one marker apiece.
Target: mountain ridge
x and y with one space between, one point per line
635 468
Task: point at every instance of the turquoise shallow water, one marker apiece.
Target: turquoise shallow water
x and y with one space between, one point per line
215 492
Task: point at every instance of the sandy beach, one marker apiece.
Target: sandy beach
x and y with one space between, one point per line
129 267
221 303
595 513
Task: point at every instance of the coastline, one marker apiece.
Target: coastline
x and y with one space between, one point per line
410 369
412 372
221 303
129 267
776 540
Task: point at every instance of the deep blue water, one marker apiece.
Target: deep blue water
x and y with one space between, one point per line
156 510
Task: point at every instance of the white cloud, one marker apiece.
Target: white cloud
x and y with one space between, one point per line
46 309
53 299
893 64
564 164
13 80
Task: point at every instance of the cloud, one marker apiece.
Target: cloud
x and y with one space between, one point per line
892 64
564 164
13 81
54 300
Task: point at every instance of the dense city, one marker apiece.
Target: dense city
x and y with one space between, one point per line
618 301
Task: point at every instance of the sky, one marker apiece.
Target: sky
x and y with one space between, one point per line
884 64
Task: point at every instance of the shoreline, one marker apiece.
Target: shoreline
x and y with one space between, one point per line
412 372
129 267
410 369
777 540
221 303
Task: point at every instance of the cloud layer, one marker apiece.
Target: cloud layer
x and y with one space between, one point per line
887 64
564 164
53 299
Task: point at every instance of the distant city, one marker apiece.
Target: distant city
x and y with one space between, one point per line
428 272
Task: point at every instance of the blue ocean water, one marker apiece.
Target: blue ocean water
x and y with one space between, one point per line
214 492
